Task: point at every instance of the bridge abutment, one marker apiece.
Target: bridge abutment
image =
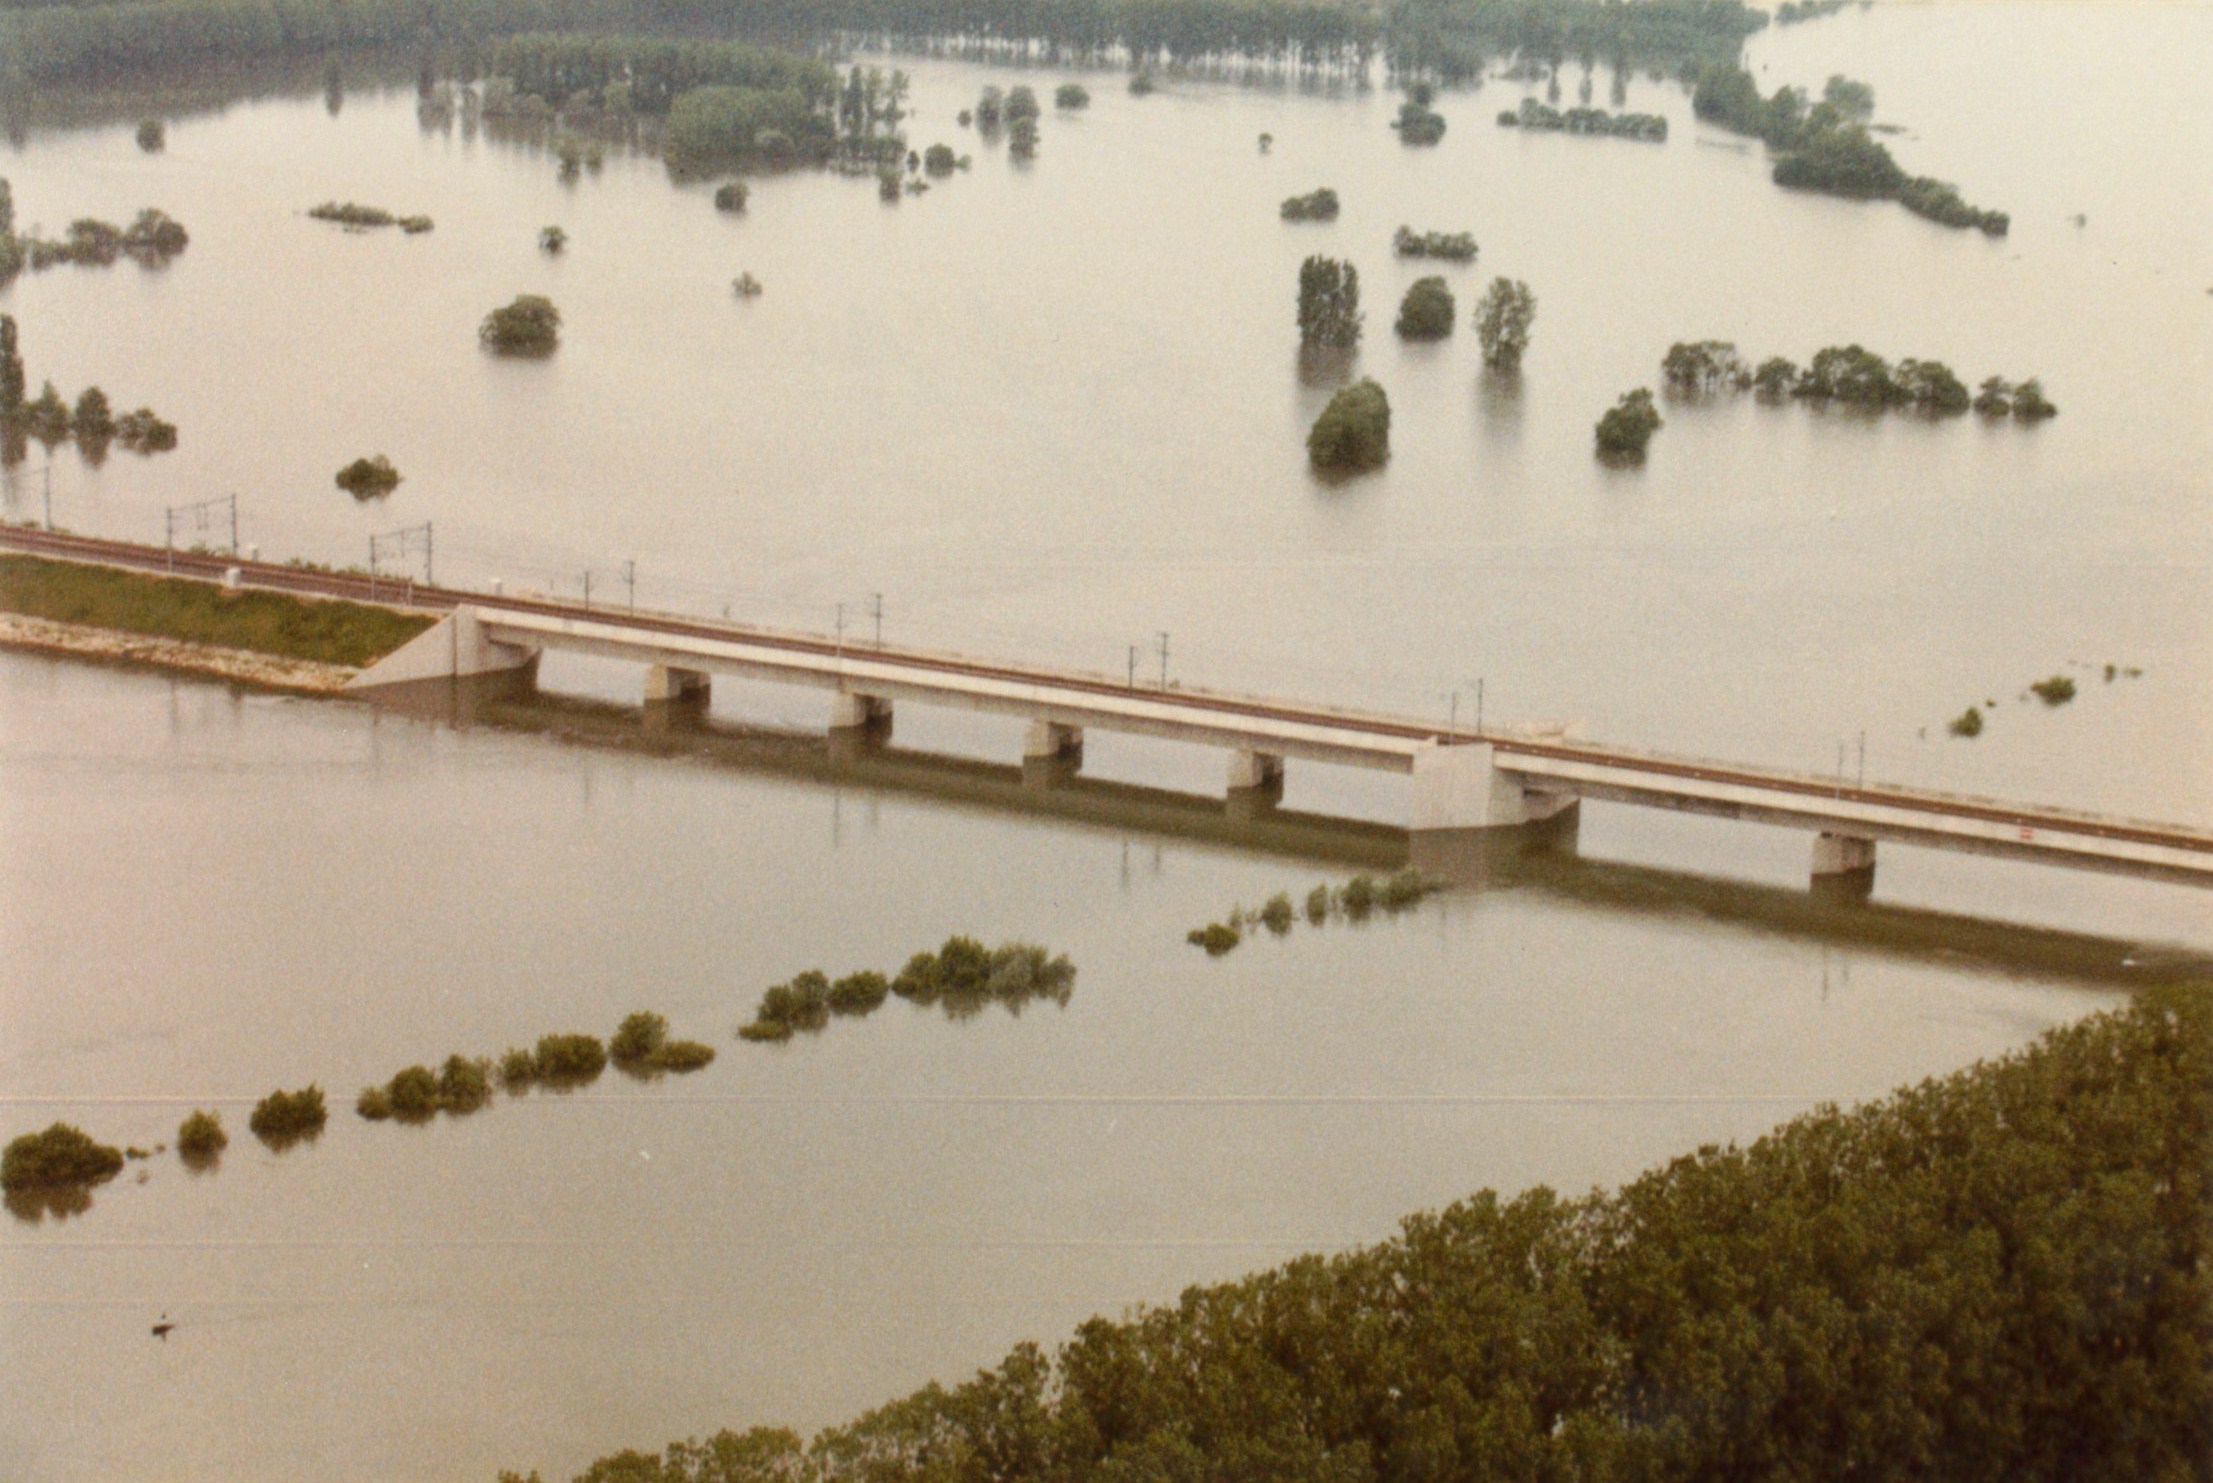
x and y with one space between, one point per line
455 647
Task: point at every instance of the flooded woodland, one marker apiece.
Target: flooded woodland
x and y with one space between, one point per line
1051 409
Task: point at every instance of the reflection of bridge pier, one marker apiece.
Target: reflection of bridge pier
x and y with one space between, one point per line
1540 856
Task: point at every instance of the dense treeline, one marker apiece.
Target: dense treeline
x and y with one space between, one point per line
1995 1277
1452 39
1826 147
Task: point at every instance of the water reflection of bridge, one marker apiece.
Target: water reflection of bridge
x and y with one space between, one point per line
1543 862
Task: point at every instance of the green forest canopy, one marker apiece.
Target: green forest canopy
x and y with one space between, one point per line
94 41
1998 1276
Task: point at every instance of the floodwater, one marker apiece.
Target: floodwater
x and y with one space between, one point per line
1047 412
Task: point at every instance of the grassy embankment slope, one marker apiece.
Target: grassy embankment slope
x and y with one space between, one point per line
319 631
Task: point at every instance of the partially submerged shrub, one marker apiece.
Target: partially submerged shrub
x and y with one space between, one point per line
569 1059
413 1093
746 286
1276 914
1967 723
1354 431
1317 905
143 432
1316 205
1216 937
683 1055
153 135
731 196
1406 888
1071 95
859 993
552 241
59 1157
1426 313
1359 897
638 1037
939 159
2057 690
200 1137
528 326
464 1083
1628 426
369 478
2029 404
1452 247
283 1118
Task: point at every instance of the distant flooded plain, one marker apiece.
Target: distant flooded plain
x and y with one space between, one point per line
1046 412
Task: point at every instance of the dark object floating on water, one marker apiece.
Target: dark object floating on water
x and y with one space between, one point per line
161 1329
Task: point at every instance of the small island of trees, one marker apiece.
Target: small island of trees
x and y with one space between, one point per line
1451 247
530 326
1317 205
355 217
1826 146
1539 118
369 478
151 240
200 1138
1502 322
1627 427
50 419
62 1157
1329 304
962 978
1417 122
1427 311
1353 434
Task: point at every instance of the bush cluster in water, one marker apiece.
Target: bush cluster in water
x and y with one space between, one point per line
1650 127
283 1118
200 1137
1416 122
1355 901
1628 426
1320 205
418 1093
1353 433
528 326
642 1047
1453 247
48 418
358 218
369 478
962 977
151 240
60 1157
1826 146
1851 375
2054 690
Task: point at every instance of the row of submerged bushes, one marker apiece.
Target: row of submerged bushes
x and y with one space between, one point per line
355 217
1355 901
1998 1274
962 978
151 240
2053 691
1853 376
562 1062
1540 118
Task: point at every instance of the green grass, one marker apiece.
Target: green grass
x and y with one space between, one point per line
203 612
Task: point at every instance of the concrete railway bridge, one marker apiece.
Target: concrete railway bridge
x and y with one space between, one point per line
1470 793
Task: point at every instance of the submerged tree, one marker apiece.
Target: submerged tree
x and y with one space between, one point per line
1427 311
1354 431
1329 303
1502 322
1628 426
528 326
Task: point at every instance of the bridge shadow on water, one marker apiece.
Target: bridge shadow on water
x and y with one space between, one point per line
1541 860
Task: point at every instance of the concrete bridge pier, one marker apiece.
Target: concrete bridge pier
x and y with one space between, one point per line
1470 815
850 710
1843 867
1255 783
665 684
1052 752
675 699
